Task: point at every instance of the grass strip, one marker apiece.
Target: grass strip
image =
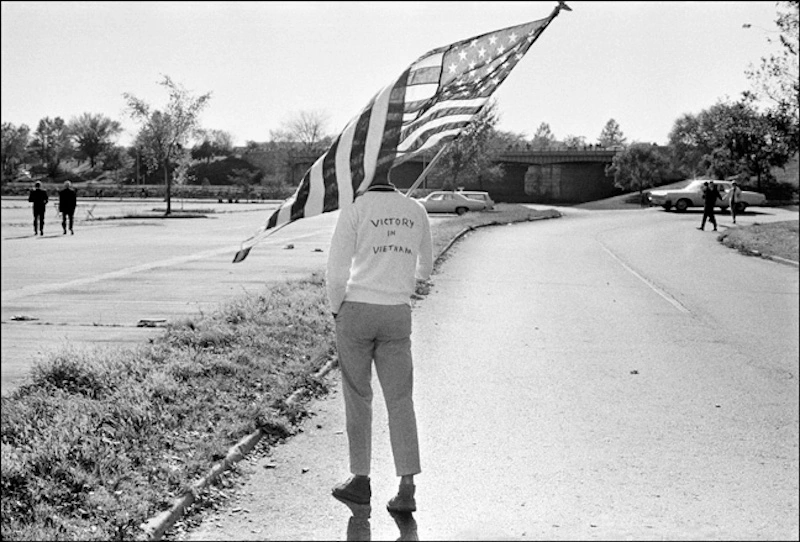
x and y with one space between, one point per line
779 239
100 440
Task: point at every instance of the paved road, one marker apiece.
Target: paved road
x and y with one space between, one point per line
608 375
92 288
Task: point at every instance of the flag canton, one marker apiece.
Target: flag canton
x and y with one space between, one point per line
474 68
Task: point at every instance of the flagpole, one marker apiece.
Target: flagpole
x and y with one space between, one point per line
425 171
243 251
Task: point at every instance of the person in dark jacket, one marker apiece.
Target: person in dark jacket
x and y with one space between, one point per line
67 201
38 196
711 196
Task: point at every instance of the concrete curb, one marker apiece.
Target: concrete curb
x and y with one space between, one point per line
155 527
465 231
782 260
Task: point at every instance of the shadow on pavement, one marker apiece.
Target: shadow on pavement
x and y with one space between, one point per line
359 528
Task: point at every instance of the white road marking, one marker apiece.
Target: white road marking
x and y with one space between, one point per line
11 295
671 300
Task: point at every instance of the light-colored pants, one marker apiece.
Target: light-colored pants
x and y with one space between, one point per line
379 333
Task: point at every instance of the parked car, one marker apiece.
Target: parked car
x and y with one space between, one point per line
692 196
482 196
451 202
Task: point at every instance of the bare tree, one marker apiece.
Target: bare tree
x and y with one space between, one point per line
165 134
305 127
611 136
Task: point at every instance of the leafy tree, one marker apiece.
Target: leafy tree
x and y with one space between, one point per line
637 167
731 139
688 143
467 158
14 146
164 134
116 158
502 141
573 141
611 135
543 138
305 127
51 143
244 179
778 77
92 135
214 143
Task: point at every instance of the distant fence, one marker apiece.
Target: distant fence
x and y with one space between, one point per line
108 190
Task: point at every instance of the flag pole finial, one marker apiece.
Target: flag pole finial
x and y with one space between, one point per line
563 5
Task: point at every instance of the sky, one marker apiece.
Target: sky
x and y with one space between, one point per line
643 64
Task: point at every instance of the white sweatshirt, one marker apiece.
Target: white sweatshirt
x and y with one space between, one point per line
381 245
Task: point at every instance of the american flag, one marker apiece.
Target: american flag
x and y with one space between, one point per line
428 105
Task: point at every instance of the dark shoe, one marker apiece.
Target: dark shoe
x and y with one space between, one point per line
699 228
355 490
65 232
71 232
404 500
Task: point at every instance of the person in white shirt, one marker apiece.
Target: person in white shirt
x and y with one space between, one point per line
381 248
733 196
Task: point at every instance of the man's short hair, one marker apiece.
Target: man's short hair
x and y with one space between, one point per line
37 184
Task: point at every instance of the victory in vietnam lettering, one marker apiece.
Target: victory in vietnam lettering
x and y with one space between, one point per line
404 222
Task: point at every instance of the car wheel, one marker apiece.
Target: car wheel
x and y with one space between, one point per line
681 205
740 206
461 210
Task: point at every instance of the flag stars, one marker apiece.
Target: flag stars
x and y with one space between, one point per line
512 37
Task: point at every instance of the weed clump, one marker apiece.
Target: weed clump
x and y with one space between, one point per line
99 441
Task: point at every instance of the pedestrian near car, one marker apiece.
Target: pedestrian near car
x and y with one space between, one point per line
710 196
733 196
67 201
381 250
38 196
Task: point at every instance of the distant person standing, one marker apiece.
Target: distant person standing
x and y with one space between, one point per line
38 196
734 196
711 195
67 201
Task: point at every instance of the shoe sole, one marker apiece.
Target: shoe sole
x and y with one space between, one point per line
346 500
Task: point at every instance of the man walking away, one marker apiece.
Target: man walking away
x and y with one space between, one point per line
381 243
67 201
711 196
38 196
